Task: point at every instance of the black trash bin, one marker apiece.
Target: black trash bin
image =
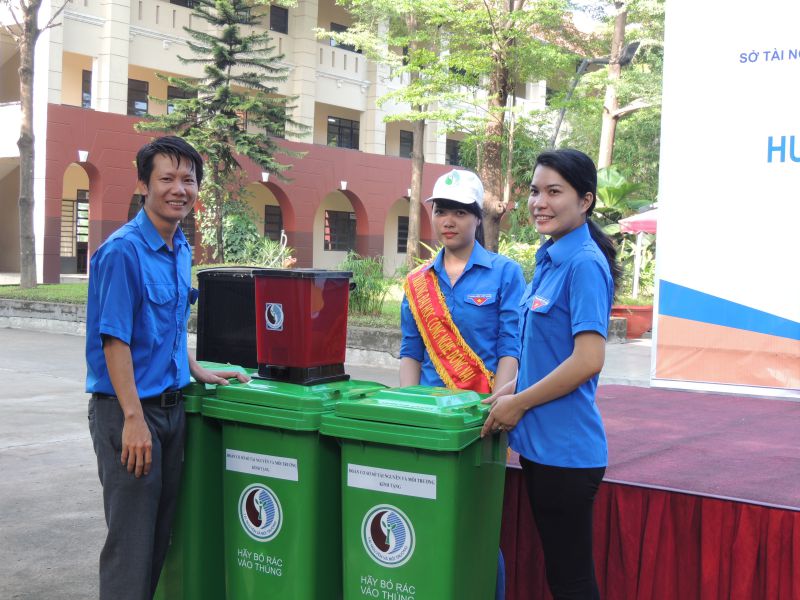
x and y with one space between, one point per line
226 316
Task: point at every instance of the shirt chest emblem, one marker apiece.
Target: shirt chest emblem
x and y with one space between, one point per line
539 302
479 299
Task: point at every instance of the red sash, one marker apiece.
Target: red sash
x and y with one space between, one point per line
454 361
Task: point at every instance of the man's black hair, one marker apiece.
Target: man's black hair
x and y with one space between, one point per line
174 147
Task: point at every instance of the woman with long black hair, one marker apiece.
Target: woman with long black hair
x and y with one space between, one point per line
553 420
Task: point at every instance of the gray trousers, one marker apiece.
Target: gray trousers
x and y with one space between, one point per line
138 512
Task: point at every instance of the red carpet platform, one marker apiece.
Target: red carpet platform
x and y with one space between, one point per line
701 501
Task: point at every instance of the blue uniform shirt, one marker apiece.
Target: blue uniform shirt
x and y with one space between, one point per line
139 292
483 304
571 292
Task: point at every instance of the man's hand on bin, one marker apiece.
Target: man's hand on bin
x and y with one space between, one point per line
203 375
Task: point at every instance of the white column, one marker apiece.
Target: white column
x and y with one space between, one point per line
42 76
373 128
303 79
435 143
112 63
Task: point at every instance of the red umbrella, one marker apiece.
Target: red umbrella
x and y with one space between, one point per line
642 222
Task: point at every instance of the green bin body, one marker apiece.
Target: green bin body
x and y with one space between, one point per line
281 489
193 569
422 495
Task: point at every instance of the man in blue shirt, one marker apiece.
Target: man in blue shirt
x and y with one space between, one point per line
137 362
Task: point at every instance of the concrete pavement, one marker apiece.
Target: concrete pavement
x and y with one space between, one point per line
51 517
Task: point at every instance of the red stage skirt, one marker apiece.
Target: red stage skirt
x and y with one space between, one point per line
651 544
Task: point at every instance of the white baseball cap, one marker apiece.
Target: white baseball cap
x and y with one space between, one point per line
459 186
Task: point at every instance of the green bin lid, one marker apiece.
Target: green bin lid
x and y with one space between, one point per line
440 440
196 390
291 396
418 406
262 416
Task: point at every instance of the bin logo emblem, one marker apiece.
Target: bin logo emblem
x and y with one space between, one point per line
387 535
260 512
273 316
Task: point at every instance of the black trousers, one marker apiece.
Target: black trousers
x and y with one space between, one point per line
562 501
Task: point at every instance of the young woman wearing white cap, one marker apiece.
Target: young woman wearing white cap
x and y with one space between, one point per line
459 317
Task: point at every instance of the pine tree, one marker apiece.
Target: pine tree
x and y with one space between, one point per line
232 110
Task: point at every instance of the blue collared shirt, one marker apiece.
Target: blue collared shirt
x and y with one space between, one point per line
571 292
139 292
483 303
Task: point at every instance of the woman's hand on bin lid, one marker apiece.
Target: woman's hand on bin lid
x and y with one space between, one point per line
505 412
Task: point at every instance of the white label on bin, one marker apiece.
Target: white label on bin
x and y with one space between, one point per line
403 483
277 467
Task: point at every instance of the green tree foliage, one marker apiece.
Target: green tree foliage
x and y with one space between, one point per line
465 60
232 110
637 142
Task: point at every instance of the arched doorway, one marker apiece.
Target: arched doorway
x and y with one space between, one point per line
266 210
74 243
334 230
395 236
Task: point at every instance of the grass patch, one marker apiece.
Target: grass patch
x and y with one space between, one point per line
388 319
70 293
631 301
76 293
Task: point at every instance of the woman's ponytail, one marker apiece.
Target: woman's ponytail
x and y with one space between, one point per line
606 245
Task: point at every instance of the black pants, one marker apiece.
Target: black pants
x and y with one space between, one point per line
139 512
562 500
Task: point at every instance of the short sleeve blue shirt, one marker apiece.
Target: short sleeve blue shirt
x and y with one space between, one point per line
483 303
140 292
571 292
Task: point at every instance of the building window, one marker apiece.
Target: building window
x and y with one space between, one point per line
68 228
406 143
340 230
86 89
273 222
278 19
186 3
342 133
75 229
137 97
82 216
176 93
451 155
402 235
339 28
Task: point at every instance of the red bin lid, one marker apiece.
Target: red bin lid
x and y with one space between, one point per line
302 273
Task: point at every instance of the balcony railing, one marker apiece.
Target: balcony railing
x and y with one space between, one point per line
341 63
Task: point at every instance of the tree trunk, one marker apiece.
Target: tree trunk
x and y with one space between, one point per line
611 104
491 168
27 241
415 199
417 163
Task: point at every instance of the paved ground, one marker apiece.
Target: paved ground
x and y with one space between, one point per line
51 520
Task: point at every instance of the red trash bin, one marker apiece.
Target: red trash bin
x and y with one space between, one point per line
301 324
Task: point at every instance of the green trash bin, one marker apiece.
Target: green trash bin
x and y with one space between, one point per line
422 495
281 496
193 568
